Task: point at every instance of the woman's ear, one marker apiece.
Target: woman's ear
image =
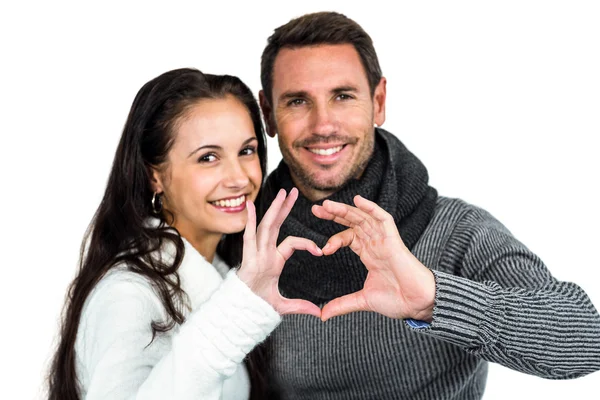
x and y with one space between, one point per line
156 181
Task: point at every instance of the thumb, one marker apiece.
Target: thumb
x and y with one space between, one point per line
344 305
297 306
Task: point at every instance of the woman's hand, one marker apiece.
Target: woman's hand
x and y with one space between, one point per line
263 260
397 284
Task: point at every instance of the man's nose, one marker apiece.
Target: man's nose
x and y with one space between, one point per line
323 119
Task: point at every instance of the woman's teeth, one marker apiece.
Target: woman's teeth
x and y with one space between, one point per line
326 152
230 202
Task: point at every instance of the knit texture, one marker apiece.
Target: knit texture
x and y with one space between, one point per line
495 301
394 178
199 359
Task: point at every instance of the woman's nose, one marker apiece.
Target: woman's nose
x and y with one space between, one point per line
236 175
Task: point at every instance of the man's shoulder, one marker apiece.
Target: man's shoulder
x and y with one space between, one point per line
452 211
451 207
458 213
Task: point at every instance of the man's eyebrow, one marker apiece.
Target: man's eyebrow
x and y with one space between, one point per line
293 95
342 89
216 147
302 93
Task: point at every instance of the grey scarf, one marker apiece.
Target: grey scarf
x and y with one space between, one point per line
394 178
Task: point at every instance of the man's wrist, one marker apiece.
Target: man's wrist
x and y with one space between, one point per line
425 311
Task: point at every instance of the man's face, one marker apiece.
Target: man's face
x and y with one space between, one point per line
323 114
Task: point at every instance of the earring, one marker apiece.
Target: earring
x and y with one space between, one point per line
156 203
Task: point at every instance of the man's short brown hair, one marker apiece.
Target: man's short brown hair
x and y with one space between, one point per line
317 29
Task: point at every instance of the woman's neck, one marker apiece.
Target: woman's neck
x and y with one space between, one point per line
205 243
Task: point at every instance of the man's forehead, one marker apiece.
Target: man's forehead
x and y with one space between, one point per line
322 67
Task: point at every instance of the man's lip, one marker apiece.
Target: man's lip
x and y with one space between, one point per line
323 159
325 147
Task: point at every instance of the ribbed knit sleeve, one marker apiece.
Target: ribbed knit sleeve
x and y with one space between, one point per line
499 302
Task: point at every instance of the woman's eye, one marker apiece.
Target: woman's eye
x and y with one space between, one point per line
248 151
206 158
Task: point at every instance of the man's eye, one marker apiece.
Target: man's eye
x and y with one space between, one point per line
296 102
206 158
344 96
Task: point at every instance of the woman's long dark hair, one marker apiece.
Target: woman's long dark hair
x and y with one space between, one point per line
119 232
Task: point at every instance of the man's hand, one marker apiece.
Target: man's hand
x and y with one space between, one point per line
263 260
397 284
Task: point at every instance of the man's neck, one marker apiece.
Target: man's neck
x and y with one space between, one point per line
311 193
314 194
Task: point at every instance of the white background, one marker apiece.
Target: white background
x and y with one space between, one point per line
500 101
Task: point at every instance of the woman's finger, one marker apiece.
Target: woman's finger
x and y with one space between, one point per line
265 225
274 208
293 243
273 231
249 248
285 209
297 306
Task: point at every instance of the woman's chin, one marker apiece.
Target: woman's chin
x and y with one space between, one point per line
234 227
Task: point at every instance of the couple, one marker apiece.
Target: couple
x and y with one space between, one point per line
157 311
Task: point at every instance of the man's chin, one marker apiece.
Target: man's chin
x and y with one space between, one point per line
323 181
328 185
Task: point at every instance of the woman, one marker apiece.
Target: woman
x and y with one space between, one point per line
155 312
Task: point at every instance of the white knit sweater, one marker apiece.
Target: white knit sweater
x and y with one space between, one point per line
200 359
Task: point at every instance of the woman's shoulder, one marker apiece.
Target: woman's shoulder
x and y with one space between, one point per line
127 291
122 278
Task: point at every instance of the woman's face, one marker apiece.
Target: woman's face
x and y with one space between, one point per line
212 169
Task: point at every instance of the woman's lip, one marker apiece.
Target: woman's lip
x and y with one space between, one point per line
232 198
235 209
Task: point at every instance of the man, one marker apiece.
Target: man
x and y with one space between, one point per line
425 290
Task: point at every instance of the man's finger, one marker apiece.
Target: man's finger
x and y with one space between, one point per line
320 212
374 210
344 305
339 240
354 215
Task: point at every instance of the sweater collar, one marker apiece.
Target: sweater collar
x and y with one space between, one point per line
195 272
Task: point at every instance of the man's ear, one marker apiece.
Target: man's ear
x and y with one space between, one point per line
379 102
267 114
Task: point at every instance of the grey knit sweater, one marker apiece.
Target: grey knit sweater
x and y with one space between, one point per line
495 301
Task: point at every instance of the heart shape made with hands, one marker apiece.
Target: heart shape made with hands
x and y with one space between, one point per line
397 284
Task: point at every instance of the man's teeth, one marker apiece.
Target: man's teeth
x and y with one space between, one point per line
326 152
230 202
